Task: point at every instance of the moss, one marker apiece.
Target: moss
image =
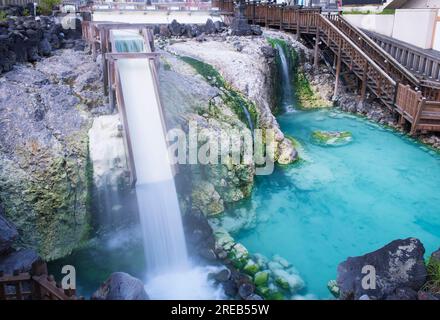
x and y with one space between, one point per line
231 97
261 278
305 96
251 267
282 283
433 270
331 137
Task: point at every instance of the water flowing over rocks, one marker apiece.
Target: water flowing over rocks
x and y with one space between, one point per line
45 179
121 286
399 270
222 54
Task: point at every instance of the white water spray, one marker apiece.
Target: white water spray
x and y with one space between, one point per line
164 241
170 275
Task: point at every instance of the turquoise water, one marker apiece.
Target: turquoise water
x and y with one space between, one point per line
343 201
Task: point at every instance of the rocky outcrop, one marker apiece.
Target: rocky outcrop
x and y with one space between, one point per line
25 39
21 261
399 272
182 30
45 178
233 56
121 286
192 99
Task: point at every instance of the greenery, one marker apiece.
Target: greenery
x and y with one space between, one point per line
433 283
47 6
233 98
305 96
384 11
3 16
26 12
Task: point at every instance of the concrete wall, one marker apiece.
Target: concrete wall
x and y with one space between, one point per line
415 26
380 23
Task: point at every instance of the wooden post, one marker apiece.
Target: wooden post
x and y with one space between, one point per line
417 116
338 71
364 82
103 40
316 53
298 32
281 17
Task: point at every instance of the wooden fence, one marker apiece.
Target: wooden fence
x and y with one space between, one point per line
34 285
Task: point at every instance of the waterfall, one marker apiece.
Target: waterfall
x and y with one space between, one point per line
248 117
164 241
286 81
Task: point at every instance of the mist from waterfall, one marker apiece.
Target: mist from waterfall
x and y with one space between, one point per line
169 272
164 241
288 99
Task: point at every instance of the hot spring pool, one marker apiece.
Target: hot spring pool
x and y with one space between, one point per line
343 201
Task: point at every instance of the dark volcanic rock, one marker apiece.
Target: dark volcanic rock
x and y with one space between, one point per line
398 265
223 275
8 233
21 260
268 52
121 286
210 27
176 28
245 290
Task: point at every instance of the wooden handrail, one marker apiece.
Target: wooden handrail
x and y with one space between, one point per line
385 55
358 50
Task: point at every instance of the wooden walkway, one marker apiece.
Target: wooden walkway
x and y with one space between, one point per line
414 100
33 285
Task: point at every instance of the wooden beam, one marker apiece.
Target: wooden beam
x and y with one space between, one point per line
338 70
316 53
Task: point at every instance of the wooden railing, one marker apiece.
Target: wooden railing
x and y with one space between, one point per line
376 68
34 285
422 114
418 61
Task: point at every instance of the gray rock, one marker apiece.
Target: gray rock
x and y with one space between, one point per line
268 52
8 233
223 275
21 260
399 264
164 31
436 255
121 286
403 294
254 297
245 290
210 27
176 29
256 30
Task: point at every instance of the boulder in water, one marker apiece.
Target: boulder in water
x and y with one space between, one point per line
121 286
331 138
399 264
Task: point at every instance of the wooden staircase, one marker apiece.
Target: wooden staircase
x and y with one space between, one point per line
415 100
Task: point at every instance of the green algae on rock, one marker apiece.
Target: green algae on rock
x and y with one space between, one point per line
332 138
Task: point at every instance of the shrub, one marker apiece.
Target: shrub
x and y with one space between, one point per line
433 283
3 15
47 6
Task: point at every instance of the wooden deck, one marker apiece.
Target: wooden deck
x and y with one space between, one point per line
354 51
